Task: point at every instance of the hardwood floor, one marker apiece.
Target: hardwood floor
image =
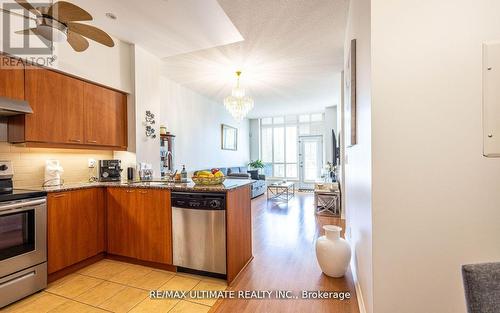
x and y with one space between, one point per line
284 259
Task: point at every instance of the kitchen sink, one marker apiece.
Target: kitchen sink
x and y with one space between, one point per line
151 183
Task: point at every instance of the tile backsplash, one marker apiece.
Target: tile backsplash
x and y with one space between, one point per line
29 163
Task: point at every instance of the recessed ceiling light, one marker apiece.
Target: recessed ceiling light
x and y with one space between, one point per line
111 16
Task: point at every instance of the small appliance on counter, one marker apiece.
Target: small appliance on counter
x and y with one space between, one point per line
130 173
110 170
23 239
53 171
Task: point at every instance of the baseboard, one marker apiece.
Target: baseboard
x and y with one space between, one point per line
161 266
357 286
359 294
75 267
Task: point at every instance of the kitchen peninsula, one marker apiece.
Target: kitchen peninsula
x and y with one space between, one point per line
133 222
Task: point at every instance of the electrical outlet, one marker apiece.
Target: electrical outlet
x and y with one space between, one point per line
92 163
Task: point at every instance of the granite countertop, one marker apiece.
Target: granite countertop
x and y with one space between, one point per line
228 184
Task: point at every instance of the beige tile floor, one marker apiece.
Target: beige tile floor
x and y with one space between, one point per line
111 286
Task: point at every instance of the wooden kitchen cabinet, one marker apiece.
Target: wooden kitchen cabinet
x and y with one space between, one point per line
121 227
69 112
57 103
139 224
105 116
75 227
155 222
11 78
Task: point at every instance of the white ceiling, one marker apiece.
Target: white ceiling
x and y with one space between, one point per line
163 27
291 56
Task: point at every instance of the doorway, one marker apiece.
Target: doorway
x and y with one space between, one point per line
310 160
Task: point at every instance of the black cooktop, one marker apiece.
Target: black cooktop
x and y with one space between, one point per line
20 194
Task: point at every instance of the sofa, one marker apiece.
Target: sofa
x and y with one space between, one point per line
482 290
241 172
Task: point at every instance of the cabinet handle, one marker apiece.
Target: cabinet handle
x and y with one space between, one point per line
75 140
129 191
143 192
59 196
92 141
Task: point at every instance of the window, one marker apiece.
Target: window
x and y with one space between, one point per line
280 140
267 144
278 120
318 117
304 118
266 121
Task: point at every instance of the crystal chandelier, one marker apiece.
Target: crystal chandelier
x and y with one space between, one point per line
237 103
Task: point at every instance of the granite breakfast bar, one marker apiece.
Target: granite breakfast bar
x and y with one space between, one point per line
133 222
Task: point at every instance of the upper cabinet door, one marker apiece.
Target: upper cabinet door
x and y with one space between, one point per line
105 116
11 78
57 102
43 89
72 109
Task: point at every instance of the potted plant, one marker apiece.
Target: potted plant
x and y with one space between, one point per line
257 165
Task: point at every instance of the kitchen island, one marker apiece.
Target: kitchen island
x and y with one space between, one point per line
133 222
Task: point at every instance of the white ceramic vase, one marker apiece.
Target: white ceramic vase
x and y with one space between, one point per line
333 252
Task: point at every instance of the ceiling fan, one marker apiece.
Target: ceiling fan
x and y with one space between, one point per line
58 22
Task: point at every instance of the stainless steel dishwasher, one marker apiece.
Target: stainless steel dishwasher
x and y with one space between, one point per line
199 232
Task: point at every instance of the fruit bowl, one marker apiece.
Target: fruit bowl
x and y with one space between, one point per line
208 180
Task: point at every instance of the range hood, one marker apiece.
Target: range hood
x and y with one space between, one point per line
10 107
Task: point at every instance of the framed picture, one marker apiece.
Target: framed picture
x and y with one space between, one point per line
229 137
350 96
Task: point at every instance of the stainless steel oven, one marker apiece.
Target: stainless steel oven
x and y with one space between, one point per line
23 248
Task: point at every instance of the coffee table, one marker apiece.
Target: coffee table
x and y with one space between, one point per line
281 191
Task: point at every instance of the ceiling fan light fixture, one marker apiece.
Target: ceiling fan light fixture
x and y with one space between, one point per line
59 21
51 29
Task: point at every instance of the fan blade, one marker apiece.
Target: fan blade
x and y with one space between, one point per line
43 10
28 31
33 31
28 7
92 32
77 42
66 12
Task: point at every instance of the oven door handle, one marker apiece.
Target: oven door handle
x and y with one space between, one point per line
20 206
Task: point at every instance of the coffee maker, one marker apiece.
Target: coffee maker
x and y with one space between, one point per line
110 170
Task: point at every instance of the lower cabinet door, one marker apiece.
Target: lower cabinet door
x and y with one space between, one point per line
154 222
122 230
59 232
75 227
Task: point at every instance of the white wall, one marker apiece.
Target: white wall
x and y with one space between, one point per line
147 69
358 164
196 122
436 199
108 66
